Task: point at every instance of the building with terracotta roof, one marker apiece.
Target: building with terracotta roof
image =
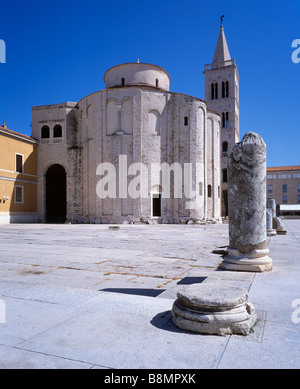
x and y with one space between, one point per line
18 177
283 185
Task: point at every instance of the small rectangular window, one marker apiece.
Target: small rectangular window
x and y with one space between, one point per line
19 194
284 188
298 187
284 199
298 199
156 205
270 188
19 163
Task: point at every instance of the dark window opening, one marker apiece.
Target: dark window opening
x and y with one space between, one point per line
157 83
209 191
156 205
19 163
225 147
224 172
225 89
186 121
225 120
123 81
45 133
57 131
214 90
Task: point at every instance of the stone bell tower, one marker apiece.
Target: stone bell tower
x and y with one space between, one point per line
222 95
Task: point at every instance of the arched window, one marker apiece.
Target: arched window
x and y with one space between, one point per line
45 132
214 90
225 89
153 122
225 147
225 119
208 190
57 131
200 188
186 121
122 81
224 173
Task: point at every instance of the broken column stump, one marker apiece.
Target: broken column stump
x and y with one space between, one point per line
215 309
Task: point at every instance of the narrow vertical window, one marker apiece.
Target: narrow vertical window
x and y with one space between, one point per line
122 81
200 189
225 148
157 82
214 90
225 89
225 119
284 188
208 190
19 163
156 205
19 194
186 121
224 171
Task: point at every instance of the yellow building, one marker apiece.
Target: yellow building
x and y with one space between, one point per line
283 185
18 177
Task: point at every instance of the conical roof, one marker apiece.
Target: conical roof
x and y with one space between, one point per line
222 51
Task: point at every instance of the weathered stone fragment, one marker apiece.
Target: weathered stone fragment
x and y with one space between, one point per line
211 308
247 206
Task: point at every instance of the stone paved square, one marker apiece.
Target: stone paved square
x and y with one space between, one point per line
86 296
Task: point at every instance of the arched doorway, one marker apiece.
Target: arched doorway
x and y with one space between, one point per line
56 194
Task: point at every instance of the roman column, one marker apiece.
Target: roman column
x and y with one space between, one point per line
247 249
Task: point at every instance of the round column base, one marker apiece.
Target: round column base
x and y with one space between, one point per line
214 309
271 232
256 261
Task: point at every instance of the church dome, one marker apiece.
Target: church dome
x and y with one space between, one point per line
137 74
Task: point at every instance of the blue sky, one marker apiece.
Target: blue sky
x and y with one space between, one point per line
59 51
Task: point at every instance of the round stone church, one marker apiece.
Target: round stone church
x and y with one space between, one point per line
132 152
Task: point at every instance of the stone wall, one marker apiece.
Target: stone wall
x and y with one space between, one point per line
145 126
